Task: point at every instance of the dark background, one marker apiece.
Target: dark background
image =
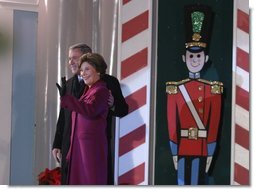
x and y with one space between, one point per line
171 39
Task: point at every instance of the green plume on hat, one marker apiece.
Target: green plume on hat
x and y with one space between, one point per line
197 18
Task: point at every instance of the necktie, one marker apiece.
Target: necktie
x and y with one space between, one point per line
81 83
81 87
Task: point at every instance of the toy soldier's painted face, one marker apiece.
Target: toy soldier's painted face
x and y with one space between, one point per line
195 61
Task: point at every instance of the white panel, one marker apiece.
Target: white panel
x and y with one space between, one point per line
242 117
130 160
133 120
135 44
243 5
23 89
242 156
242 40
242 78
136 7
6 26
135 81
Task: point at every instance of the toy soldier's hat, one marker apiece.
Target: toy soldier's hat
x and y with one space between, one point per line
198 26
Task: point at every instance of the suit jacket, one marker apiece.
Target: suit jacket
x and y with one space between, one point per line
120 108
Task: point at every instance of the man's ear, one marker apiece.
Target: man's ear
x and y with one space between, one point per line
183 57
206 58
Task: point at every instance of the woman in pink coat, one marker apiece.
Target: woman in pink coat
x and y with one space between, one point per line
87 155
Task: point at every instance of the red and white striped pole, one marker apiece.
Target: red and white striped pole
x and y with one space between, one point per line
240 174
134 70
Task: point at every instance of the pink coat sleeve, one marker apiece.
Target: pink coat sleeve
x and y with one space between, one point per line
91 106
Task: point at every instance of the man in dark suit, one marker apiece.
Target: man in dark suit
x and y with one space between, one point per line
75 86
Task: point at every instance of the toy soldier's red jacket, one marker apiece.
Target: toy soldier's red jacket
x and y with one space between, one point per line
204 99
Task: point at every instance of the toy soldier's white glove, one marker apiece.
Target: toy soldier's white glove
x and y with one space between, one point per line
175 160
208 163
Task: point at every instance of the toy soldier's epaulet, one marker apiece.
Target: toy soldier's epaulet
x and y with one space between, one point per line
216 86
171 86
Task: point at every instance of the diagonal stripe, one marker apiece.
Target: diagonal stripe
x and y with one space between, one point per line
137 118
242 98
135 81
242 79
243 21
135 26
134 63
242 59
132 140
191 107
136 99
135 44
135 7
242 40
243 5
131 160
242 117
242 156
126 1
241 175
241 136
134 176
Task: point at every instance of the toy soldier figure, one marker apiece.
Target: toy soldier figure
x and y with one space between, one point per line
194 104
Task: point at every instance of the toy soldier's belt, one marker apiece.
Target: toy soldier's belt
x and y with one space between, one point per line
193 133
